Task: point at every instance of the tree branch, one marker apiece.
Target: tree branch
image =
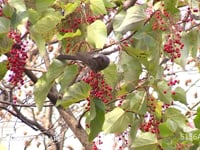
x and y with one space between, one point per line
73 124
36 126
67 115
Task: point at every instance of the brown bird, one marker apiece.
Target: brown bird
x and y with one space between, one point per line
96 62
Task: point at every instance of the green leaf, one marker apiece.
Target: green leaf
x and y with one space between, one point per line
46 81
118 19
69 75
4 26
195 135
164 92
145 141
146 48
8 10
191 41
75 93
169 143
109 3
184 55
141 55
98 7
158 110
69 35
123 90
46 24
30 4
70 7
18 4
176 116
40 42
171 6
134 19
97 34
131 68
179 95
197 120
116 121
167 128
97 112
17 18
198 110
135 125
33 15
137 102
110 75
5 44
3 69
93 113
44 4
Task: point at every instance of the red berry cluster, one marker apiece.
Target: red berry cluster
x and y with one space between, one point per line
68 40
160 20
151 124
172 82
165 22
100 89
16 59
91 19
165 106
72 23
151 104
173 45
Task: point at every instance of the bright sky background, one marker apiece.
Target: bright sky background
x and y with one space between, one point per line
12 133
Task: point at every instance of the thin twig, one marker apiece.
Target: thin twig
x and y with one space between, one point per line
23 105
191 108
35 69
192 85
196 25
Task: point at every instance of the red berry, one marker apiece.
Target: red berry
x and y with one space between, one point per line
17 59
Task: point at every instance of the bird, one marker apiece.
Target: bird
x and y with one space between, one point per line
95 61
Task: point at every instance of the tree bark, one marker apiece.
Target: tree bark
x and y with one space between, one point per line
67 115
